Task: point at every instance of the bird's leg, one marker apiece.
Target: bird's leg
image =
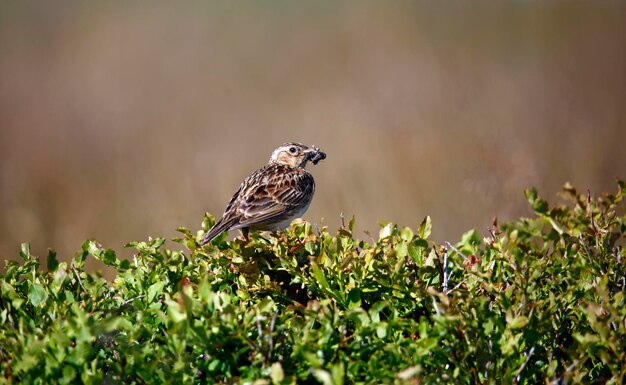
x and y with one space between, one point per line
245 231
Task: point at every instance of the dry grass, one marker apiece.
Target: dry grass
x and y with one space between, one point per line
122 121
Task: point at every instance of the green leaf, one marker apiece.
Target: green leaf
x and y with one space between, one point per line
158 242
386 231
277 374
381 330
184 230
351 224
320 277
175 313
81 255
323 376
37 294
416 250
310 248
425 228
539 205
204 291
354 298
155 289
51 260
69 375
518 322
406 234
108 257
338 372
469 238
25 251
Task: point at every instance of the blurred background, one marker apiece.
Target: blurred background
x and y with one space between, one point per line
124 120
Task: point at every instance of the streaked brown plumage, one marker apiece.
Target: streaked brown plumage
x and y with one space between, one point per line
272 196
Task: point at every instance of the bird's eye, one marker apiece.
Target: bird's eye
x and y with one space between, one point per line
293 150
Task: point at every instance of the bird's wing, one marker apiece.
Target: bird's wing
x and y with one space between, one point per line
271 194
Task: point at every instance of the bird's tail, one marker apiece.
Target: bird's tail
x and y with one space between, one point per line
221 226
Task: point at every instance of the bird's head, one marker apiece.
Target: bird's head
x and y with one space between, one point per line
296 155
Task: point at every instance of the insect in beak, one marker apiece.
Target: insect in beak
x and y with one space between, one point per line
315 155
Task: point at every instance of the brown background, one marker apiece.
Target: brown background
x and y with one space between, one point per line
123 120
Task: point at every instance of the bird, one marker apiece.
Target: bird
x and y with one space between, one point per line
274 195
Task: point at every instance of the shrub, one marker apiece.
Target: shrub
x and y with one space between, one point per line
540 300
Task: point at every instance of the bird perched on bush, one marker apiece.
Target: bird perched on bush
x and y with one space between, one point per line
271 197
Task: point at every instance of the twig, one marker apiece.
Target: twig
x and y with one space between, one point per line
456 250
519 371
271 342
582 242
492 233
446 274
134 298
80 282
590 210
258 326
455 287
437 310
559 380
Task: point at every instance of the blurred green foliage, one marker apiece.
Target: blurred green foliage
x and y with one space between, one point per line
541 300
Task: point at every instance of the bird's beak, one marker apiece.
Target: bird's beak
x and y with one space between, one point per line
314 155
